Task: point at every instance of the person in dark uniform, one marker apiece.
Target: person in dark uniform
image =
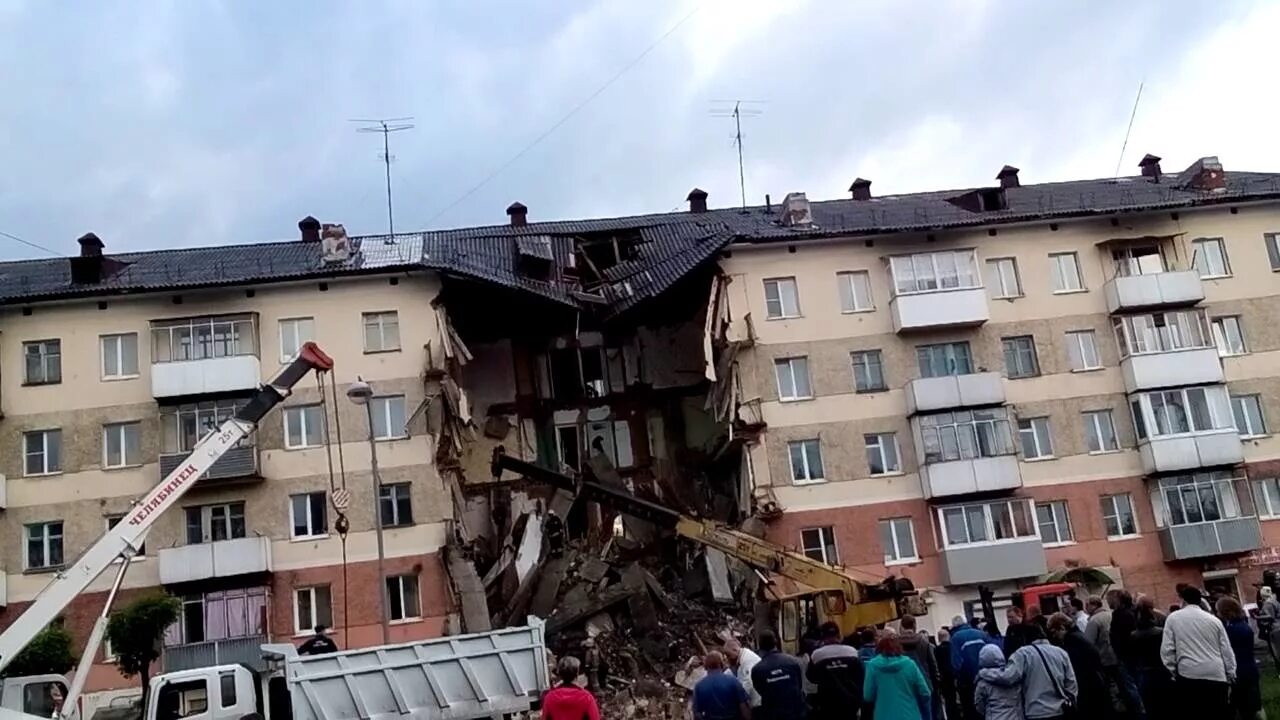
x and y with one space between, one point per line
838 673
318 644
779 681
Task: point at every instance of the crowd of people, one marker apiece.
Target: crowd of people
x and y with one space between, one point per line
1116 657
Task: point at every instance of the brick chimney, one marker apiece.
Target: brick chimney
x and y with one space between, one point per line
1008 177
310 229
697 200
861 189
1150 165
90 245
1204 174
88 267
519 214
796 211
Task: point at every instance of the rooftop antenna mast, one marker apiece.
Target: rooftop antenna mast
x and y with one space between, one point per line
737 113
1128 130
386 126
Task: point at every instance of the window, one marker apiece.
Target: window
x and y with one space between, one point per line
965 435
213 523
927 272
394 505
1198 498
381 331
121 444
820 544
1117 515
388 417
43 362
1065 268
986 522
304 426
1020 357
882 453
781 298
868 371
1247 410
1100 431
793 378
227 688
1002 278
1054 522
37 697
43 449
1082 350
119 356
1138 260
402 597
220 615
307 512
44 545
806 461
1182 410
1209 257
294 333
114 520
944 359
1036 441
182 426
312 606
1266 497
898 538
855 291
1162 332
1229 335
203 338
1272 241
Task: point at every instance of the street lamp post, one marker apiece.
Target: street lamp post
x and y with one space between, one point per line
361 393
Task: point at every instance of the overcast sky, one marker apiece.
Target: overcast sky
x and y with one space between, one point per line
165 124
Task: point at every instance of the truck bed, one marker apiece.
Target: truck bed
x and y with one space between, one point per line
449 678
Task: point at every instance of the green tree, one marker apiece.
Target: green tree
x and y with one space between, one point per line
49 652
135 632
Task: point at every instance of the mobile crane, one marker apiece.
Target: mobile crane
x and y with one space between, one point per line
123 541
827 594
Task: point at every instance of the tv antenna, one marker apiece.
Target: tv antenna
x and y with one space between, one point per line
737 113
386 126
1128 130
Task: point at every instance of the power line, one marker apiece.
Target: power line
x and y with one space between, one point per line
28 243
386 126
1128 130
567 116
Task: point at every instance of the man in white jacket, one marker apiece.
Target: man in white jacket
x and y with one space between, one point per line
1196 650
743 659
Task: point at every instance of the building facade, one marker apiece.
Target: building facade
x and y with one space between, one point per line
1019 387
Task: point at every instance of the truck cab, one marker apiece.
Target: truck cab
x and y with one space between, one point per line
220 692
40 695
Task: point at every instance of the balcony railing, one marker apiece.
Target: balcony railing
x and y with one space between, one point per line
990 540
954 391
959 307
239 463
1191 451
193 356
1205 515
1137 292
992 563
963 477
233 651
222 558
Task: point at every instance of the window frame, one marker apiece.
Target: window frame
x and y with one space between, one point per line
231 510
969 265
301 411
1216 403
880 447
387 403
44 434
826 537
1158 334
1033 427
1272 243
848 290
778 283
1226 505
294 322
417 594
989 522
206 416
1059 520
1013 341
380 317
1198 244
804 444
1057 274
1269 507
1256 398
311 507
995 270
107 428
1092 429
1075 338
388 497
119 341
1110 500
48 359
871 358
892 525
316 617
110 520
950 357
967 432
789 362
207 337
46 540
1220 335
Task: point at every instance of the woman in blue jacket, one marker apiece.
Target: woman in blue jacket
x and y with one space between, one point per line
894 684
1246 694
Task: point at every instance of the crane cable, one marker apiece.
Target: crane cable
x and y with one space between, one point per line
340 523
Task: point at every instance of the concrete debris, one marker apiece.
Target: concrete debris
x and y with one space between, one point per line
718 574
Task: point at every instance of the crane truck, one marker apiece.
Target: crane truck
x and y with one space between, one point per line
823 593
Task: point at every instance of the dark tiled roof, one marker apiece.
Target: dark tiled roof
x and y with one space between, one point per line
670 245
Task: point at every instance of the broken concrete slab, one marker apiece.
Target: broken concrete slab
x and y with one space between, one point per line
567 615
718 574
641 605
551 577
598 624
471 594
593 570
